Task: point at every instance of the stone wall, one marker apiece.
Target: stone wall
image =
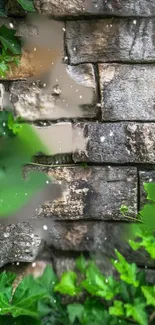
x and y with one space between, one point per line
109 47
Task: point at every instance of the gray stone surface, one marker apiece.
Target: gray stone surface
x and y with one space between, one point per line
95 193
113 39
145 177
110 7
127 92
123 142
40 101
18 243
95 237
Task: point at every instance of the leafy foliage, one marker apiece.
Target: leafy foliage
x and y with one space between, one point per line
10 45
128 300
19 143
10 49
27 5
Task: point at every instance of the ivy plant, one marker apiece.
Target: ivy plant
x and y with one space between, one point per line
129 299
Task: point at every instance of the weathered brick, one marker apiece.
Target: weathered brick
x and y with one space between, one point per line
124 142
82 7
113 39
72 95
127 92
18 243
96 237
95 193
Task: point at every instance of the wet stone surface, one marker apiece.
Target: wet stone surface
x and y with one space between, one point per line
117 143
95 193
127 92
115 40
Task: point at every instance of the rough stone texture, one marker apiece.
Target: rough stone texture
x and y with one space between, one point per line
113 40
145 177
117 143
18 243
110 7
127 92
95 193
40 101
94 237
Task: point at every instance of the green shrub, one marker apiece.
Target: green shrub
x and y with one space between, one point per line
129 299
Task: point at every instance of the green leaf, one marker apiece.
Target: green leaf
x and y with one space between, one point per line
81 264
9 40
149 294
75 311
150 190
3 68
96 284
26 296
67 284
15 152
48 280
27 5
127 271
147 242
124 209
117 309
137 312
95 314
6 279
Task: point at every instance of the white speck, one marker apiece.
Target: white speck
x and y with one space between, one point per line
71 86
4 133
150 179
11 25
102 139
111 133
134 22
4 124
47 182
13 44
17 263
80 96
74 49
105 238
106 280
77 90
87 238
110 25
45 227
54 301
35 49
115 261
64 29
66 58
96 6
26 194
98 105
34 264
6 234
145 266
